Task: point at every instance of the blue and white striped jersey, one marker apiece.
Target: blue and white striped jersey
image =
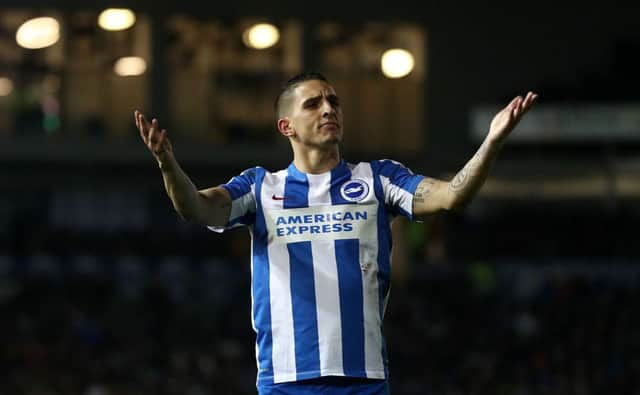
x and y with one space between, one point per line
321 246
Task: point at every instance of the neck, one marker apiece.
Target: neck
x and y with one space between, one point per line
316 161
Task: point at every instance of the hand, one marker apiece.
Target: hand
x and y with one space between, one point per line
156 140
507 119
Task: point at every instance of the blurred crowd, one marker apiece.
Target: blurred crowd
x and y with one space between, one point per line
517 329
126 324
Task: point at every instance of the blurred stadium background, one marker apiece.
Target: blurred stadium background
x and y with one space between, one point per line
534 289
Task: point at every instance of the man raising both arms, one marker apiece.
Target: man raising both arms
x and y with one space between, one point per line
321 239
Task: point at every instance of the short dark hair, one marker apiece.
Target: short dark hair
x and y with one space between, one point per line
291 84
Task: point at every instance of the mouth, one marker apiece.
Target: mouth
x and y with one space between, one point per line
330 124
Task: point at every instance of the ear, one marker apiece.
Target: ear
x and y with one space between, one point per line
285 128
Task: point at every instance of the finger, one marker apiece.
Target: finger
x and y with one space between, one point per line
157 134
513 102
531 98
155 128
528 100
135 117
153 125
151 135
141 128
517 106
144 131
144 122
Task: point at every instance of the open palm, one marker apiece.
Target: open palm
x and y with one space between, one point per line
155 139
507 119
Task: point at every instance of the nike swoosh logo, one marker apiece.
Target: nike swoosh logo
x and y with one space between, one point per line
274 197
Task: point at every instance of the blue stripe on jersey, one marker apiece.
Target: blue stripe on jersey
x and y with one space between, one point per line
303 295
241 184
260 285
385 243
303 301
398 174
339 175
351 297
296 189
351 302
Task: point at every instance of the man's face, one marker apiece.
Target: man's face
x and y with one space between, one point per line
315 114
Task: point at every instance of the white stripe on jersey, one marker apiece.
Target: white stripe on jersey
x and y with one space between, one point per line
246 200
328 307
319 185
284 353
397 194
325 275
374 364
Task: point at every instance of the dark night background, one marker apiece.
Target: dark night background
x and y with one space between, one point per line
533 289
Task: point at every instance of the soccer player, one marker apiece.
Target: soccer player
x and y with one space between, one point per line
321 240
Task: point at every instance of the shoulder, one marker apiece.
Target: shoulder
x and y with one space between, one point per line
379 167
387 167
259 176
253 174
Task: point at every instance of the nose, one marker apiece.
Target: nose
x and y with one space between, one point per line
327 108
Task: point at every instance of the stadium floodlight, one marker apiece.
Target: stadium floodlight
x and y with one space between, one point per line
261 36
130 66
396 63
6 86
38 33
116 19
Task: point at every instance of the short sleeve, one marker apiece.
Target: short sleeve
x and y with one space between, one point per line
398 185
242 189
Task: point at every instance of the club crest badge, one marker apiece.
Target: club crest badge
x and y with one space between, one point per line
354 190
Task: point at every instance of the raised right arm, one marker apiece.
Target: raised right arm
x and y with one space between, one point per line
210 206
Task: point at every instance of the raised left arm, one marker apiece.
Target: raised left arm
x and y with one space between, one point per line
433 195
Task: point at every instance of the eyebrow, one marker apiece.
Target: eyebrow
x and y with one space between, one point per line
331 97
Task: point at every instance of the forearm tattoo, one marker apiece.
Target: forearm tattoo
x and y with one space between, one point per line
424 188
469 171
